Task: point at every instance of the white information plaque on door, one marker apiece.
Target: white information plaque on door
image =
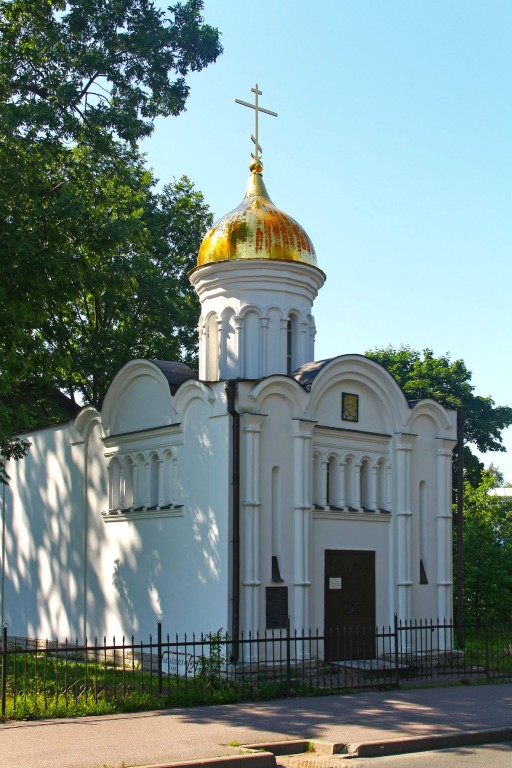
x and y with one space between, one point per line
335 582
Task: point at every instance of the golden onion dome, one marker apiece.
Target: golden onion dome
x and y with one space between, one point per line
257 229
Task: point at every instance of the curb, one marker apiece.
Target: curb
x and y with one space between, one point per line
258 760
427 743
290 747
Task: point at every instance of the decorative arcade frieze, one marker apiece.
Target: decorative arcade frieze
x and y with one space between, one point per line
351 482
142 484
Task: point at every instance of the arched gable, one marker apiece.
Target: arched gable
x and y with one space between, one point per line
281 385
383 406
444 420
138 398
87 419
189 391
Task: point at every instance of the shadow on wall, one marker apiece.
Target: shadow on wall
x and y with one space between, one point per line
44 563
173 568
174 573
138 583
170 569
169 577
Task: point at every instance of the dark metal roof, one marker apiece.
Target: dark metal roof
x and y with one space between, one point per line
306 374
175 373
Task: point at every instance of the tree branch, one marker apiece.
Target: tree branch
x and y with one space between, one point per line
88 84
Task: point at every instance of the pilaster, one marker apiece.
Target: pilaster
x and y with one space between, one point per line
264 345
357 486
374 480
283 344
251 504
302 506
304 344
444 529
238 362
341 501
404 443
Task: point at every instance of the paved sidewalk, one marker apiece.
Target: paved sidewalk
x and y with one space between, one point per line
207 732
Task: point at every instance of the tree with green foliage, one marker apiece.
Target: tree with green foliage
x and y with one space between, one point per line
108 285
132 298
487 539
93 260
422 375
86 69
131 295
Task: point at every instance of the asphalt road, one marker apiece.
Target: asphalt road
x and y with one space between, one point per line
146 738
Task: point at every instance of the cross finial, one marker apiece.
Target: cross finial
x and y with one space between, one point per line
257 108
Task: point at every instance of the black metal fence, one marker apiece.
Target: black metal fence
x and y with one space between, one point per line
51 678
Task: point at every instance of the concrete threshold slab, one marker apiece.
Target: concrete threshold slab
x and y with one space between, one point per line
370 665
299 749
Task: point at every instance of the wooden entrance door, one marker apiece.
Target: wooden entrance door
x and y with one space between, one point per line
349 604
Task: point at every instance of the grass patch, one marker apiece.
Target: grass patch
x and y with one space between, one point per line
46 685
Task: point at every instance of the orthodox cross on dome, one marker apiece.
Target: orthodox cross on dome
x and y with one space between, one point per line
257 108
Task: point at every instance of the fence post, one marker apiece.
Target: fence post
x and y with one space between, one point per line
395 632
160 655
288 654
486 640
4 668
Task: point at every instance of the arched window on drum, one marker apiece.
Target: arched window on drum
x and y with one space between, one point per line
292 343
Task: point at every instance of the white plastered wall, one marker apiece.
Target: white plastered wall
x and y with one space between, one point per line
71 571
47 531
390 437
172 565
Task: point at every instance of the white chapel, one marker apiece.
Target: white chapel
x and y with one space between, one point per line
270 486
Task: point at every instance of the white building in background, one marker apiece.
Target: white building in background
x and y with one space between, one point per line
272 486
504 493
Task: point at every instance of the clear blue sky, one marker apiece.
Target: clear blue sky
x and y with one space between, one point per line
393 149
